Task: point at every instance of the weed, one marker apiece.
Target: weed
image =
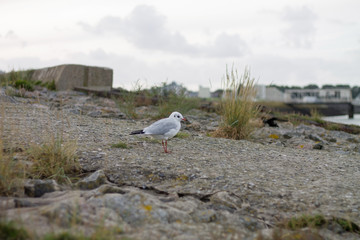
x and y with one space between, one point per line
347 225
182 135
120 144
237 105
54 159
306 221
8 231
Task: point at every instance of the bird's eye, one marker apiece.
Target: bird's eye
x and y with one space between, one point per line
178 116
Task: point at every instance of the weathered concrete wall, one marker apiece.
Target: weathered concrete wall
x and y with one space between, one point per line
69 76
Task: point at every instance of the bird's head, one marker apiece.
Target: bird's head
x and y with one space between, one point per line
177 116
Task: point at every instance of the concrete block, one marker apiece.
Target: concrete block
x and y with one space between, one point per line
69 76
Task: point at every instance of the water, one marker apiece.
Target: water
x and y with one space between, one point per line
344 119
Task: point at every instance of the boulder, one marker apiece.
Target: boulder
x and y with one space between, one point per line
93 181
38 187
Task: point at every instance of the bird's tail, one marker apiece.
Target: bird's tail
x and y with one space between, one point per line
137 132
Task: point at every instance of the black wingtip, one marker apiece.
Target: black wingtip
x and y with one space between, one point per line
137 132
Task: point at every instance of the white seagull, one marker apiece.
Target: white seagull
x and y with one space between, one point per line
163 129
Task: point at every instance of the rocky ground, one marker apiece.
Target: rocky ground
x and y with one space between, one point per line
207 188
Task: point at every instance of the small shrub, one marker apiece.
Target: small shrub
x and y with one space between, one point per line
24 84
237 106
8 231
51 85
347 225
54 159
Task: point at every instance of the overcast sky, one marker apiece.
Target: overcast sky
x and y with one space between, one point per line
191 42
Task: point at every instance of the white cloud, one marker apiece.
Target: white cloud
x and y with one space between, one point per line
301 28
146 29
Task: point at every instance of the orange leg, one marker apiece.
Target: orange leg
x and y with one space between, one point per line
165 146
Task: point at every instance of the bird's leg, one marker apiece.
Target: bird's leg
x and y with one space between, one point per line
166 151
164 146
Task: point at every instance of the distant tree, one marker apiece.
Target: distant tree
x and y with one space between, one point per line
342 86
311 86
328 86
295 87
355 91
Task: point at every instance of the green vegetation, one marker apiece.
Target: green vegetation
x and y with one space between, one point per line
120 144
237 107
55 159
182 135
306 221
319 221
8 231
23 79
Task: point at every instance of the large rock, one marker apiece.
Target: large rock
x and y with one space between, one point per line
38 187
69 76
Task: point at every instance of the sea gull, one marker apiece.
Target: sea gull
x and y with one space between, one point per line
163 129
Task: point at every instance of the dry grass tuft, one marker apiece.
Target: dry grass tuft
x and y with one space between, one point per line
55 159
237 106
11 172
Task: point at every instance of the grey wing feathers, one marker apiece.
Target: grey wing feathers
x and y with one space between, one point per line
160 127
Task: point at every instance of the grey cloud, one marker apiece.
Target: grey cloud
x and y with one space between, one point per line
301 26
146 29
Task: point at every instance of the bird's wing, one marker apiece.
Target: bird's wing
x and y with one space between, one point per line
161 127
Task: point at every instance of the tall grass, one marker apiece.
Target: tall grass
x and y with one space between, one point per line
11 171
237 106
54 159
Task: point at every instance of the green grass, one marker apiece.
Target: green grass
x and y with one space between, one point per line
23 79
120 144
237 107
8 231
182 135
318 221
306 221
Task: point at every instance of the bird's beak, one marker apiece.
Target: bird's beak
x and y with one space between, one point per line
184 119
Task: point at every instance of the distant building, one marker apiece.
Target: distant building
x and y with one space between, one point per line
333 95
271 94
204 92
